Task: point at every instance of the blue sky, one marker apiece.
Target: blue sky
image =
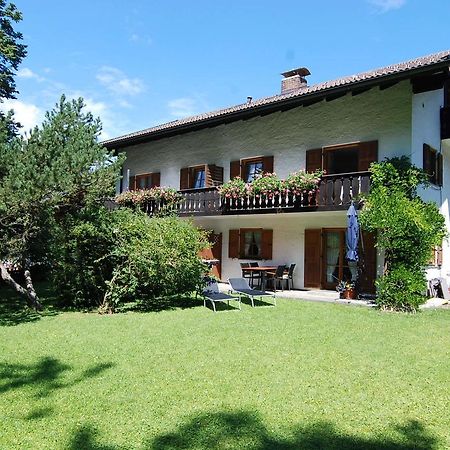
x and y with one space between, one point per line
138 63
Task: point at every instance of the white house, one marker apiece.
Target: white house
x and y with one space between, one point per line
341 126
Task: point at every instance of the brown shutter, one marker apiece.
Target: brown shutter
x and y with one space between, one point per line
438 255
439 170
266 244
233 244
427 159
267 164
156 179
184 178
132 183
216 175
313 244
208 176
368 153
235 169
313 160
368 261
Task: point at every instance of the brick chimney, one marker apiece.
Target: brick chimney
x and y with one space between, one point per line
294 80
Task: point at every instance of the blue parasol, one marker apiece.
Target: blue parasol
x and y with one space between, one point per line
352 234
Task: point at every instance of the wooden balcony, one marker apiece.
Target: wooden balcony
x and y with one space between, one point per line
335 192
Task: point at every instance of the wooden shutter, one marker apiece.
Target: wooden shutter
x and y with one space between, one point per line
368 153
313 248
213 175
156 179
427 166
368 260
184 178
132 183
233 244
439 170
438 252
266 244
313 160
267 164
235 169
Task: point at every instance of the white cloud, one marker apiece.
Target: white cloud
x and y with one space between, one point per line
25 72
28 114
182 107
384 6
118 83
141 39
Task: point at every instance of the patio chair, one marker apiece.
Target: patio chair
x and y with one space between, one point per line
241 287
245 273
211 292
255 276
277 277
289 276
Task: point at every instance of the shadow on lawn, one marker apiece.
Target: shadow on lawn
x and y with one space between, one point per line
245 430
45 376
13 309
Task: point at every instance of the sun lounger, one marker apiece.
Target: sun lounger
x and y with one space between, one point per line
241 287
211 292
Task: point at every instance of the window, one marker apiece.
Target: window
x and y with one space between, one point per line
432 164
199 178
252 170
250 243
144 181
249 168
202 176
342 158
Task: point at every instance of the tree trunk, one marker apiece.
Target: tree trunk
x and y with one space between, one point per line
29 293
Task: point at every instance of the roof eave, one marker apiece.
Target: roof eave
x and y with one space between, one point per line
282 104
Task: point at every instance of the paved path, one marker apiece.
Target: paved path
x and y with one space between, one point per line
311 295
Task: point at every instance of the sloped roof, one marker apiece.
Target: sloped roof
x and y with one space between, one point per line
277 101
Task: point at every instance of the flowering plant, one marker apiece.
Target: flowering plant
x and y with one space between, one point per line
302 181
265 184
141 197
343 286
235 188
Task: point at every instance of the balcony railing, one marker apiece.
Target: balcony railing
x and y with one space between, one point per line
334 192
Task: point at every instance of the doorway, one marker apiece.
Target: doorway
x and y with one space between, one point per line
335 266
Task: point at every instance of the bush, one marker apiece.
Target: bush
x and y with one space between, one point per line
109 257
402 289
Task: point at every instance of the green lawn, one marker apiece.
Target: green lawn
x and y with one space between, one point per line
297 376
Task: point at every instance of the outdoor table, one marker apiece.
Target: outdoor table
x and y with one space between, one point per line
263 271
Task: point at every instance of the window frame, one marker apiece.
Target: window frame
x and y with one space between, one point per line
242 234
195 170
150 183
433 164
245 163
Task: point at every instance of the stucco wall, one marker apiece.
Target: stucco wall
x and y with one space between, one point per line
374 115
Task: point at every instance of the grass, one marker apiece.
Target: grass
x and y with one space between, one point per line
298 376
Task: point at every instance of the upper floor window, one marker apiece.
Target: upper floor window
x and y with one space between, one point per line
144 181
345 158
202 176
432 164
249 168
252 170
199 178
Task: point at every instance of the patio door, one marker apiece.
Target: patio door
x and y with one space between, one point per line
335 266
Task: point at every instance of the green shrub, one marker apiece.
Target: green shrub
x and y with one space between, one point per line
401 289
109 257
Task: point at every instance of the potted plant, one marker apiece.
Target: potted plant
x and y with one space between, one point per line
347 289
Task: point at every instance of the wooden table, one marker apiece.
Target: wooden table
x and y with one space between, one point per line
263 271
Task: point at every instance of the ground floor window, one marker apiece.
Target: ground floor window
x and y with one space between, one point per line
250 243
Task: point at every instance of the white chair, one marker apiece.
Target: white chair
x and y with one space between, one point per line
241 287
